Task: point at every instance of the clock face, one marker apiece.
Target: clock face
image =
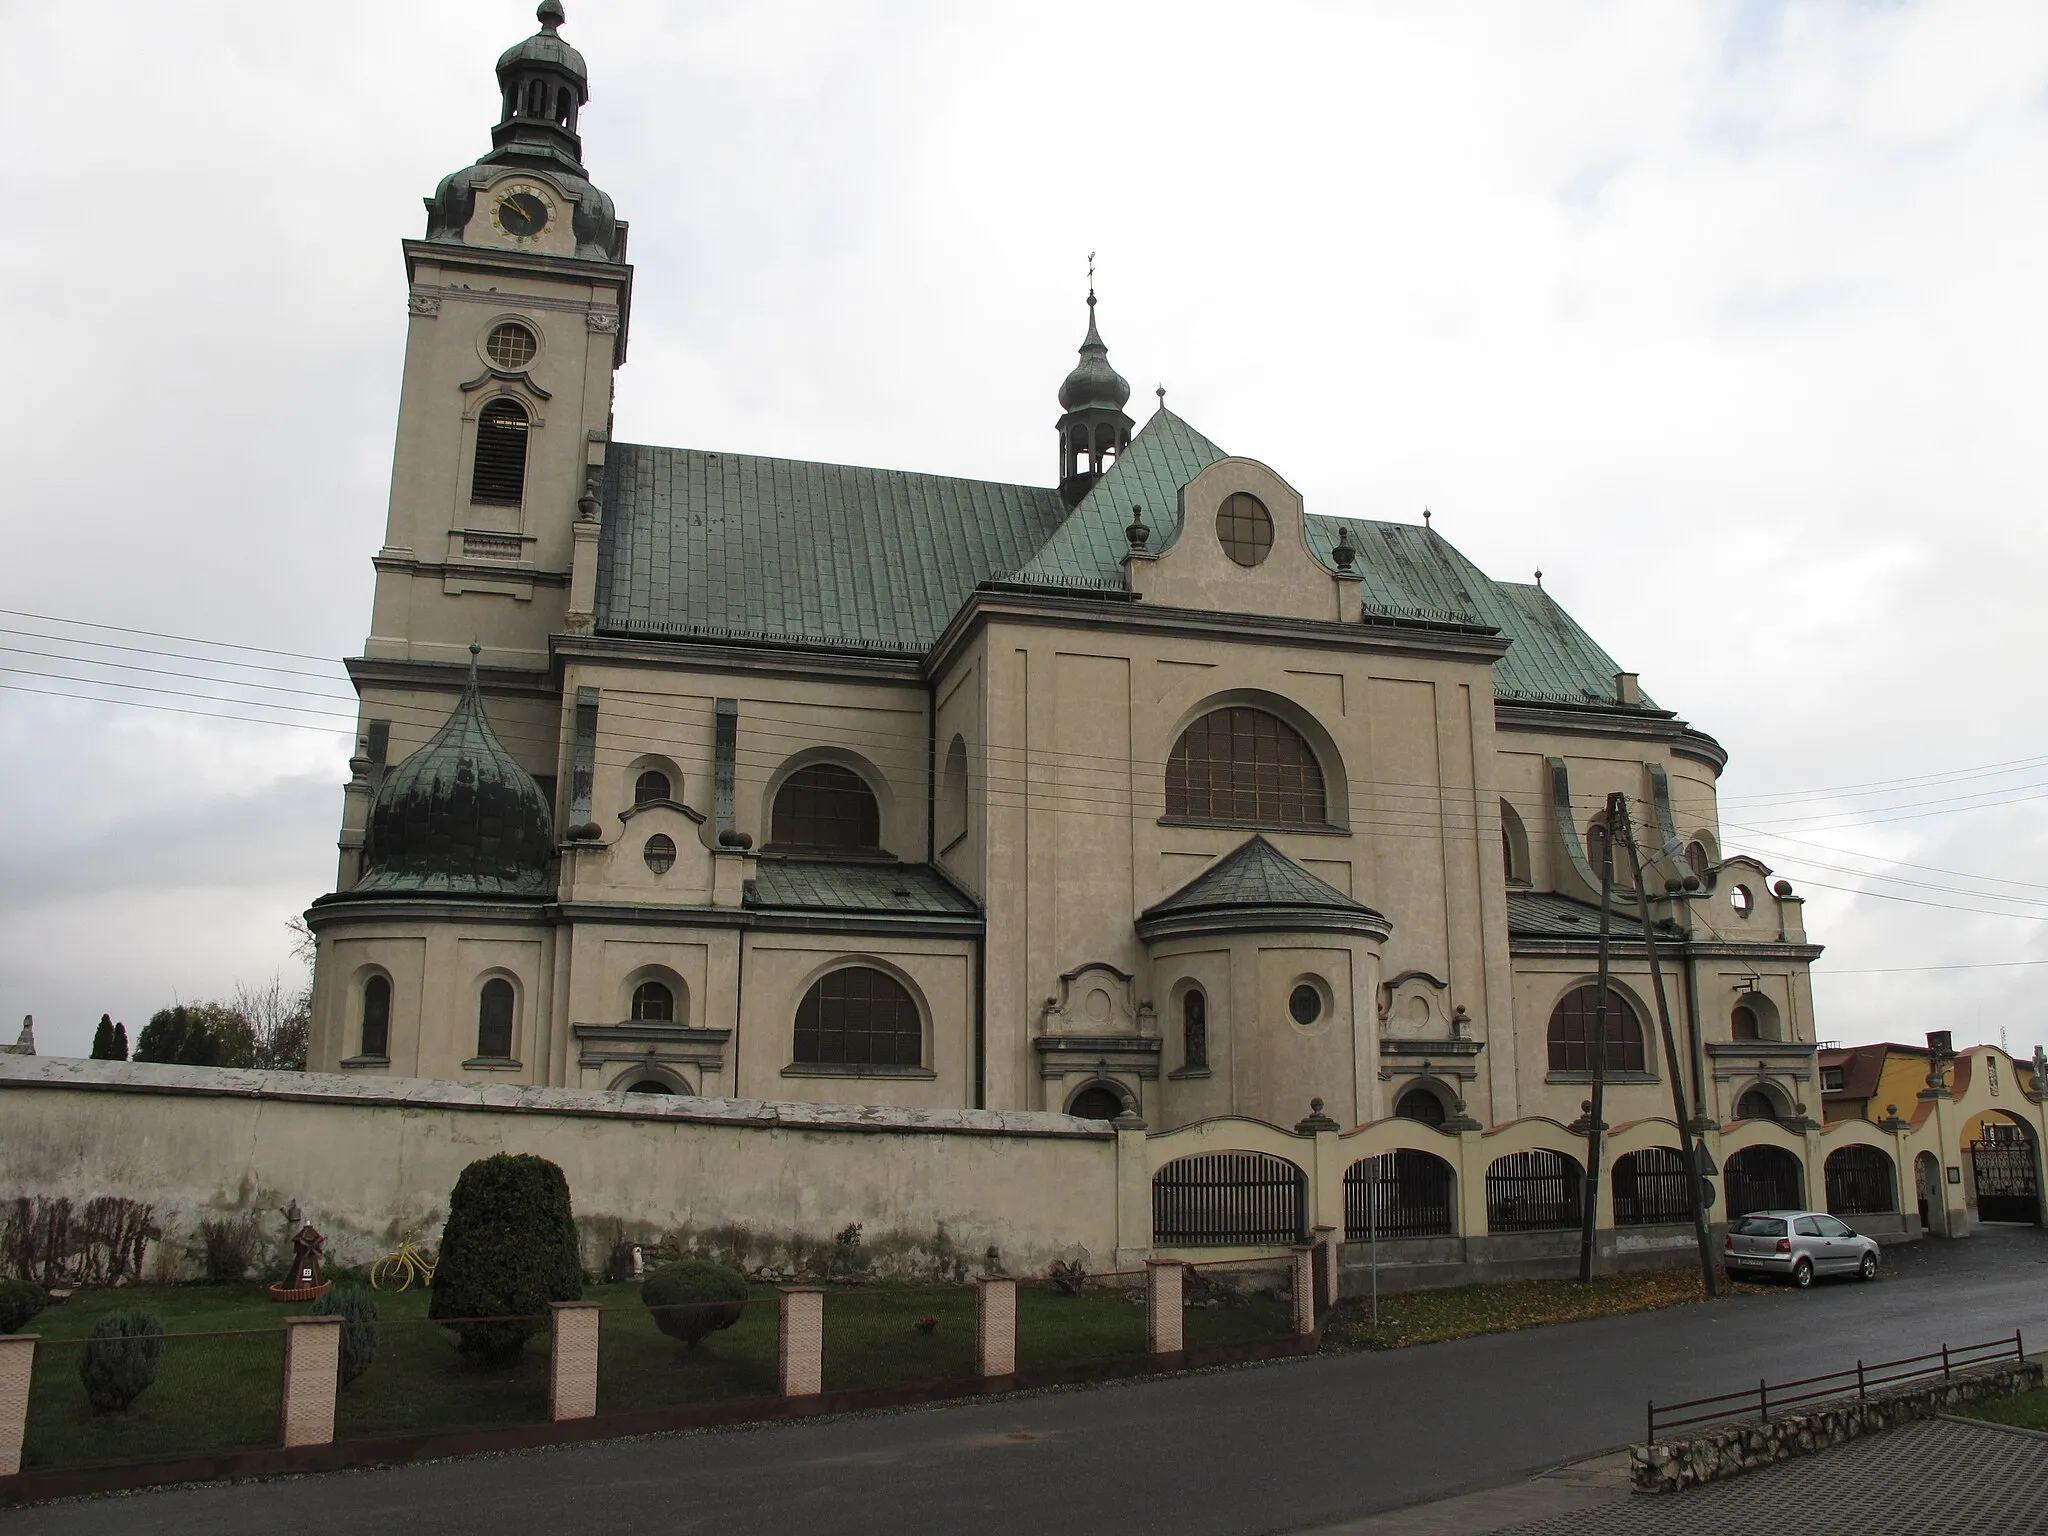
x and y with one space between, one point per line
523 213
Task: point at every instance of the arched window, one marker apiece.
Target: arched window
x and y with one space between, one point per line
1756 1105
1514 845
649 1085
1571 1032
1699 861
651 786
826 806
499 478
494 1020
1420 1104
859 1017
1742 1023
376 1039
653 1000
952 817
1245 765
1097 1103
1600 846
1194 1028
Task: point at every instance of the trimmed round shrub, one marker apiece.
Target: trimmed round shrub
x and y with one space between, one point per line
20 1300
694 1298
119 1360
357 1309
508 1250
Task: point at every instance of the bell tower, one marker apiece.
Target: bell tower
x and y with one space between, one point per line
518 300
1093 429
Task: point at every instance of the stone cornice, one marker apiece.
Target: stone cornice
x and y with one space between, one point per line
710 654
448 676
475 570
1598 720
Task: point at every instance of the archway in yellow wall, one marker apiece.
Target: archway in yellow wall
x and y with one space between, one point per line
2003 1157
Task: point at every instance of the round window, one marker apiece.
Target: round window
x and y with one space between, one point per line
660 853
511 345
1305 1003
1244 528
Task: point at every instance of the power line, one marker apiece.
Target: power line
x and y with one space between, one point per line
156 634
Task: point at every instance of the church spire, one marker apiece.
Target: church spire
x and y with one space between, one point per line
543 84
1093 427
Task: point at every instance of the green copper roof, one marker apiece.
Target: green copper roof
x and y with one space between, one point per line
1256 886
459 817
1546 915
726 544
820 885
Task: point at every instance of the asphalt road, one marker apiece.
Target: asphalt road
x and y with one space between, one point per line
1273 1448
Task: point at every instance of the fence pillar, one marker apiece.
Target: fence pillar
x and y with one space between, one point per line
572 1374
995 1331
1133 1196
1325 1240
312 1374
801 1350
17 1364
1304 1288
1165 1314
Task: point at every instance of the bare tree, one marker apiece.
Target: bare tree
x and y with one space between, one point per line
280 1017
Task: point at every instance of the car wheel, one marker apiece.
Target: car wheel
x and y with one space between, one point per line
1867 1270
1802 1274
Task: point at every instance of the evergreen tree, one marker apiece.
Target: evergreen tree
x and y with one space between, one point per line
120 1042
103 1040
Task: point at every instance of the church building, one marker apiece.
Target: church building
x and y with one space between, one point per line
1148 791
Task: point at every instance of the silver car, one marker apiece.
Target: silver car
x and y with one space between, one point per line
1797 1245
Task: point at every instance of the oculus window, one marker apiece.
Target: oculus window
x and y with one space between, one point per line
859 1017
660 853
1245 765
1244 528
510 346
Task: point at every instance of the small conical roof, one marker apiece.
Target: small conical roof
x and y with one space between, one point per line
1094 385
460 816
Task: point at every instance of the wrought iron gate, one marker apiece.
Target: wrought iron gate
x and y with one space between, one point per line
1404 1194
1764 1179
2008 1180
1650 1188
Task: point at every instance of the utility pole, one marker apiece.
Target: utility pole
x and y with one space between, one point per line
1596 1109
1624 828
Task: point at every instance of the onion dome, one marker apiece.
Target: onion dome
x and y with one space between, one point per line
1094 385
460 816
546 49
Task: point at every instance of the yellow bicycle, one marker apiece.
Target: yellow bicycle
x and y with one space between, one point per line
397 1270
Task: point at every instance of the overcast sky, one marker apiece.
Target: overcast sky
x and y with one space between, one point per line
1730 317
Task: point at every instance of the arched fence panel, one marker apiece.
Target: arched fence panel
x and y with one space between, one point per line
1861 1181
1229 1198
1764 1178
1650 1188
1404 1193
1536 1191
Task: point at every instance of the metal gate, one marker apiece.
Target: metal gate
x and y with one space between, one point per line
2008 1180
1229 1197
1860 1182
1764 1179
1650 1188
1405 1193
1536 1191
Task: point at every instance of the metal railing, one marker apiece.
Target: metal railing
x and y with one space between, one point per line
1764 1396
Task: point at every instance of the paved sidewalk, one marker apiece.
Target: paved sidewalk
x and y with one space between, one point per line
1948 1476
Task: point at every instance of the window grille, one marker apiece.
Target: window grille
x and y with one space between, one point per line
1245 765
1650 1188
494 1020
1756 1105
660 853
653 1000
650 786
859 1017
1537 1191
1244 528
376 1039
511 345
499 478
826 806
1763 1179
1572 1028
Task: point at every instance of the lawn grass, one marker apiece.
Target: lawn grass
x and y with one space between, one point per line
2028 1411
1430 1317
219 1384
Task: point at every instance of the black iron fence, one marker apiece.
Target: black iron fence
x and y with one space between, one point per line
1764 1179
1764 1396
1229 1197
1405 1193
1537 1191
1651 1188
1860 1182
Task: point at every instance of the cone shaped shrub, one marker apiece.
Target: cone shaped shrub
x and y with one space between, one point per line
20 1300
509 1249
694 1298
119 1360
357 1309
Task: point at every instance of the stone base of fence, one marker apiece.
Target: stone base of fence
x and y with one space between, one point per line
312 1375
1724 1451
1303 1276
995 1326
17 1363
1165 1308
572 1377
800 1352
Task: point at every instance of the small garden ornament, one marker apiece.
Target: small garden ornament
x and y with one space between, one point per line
303 1282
